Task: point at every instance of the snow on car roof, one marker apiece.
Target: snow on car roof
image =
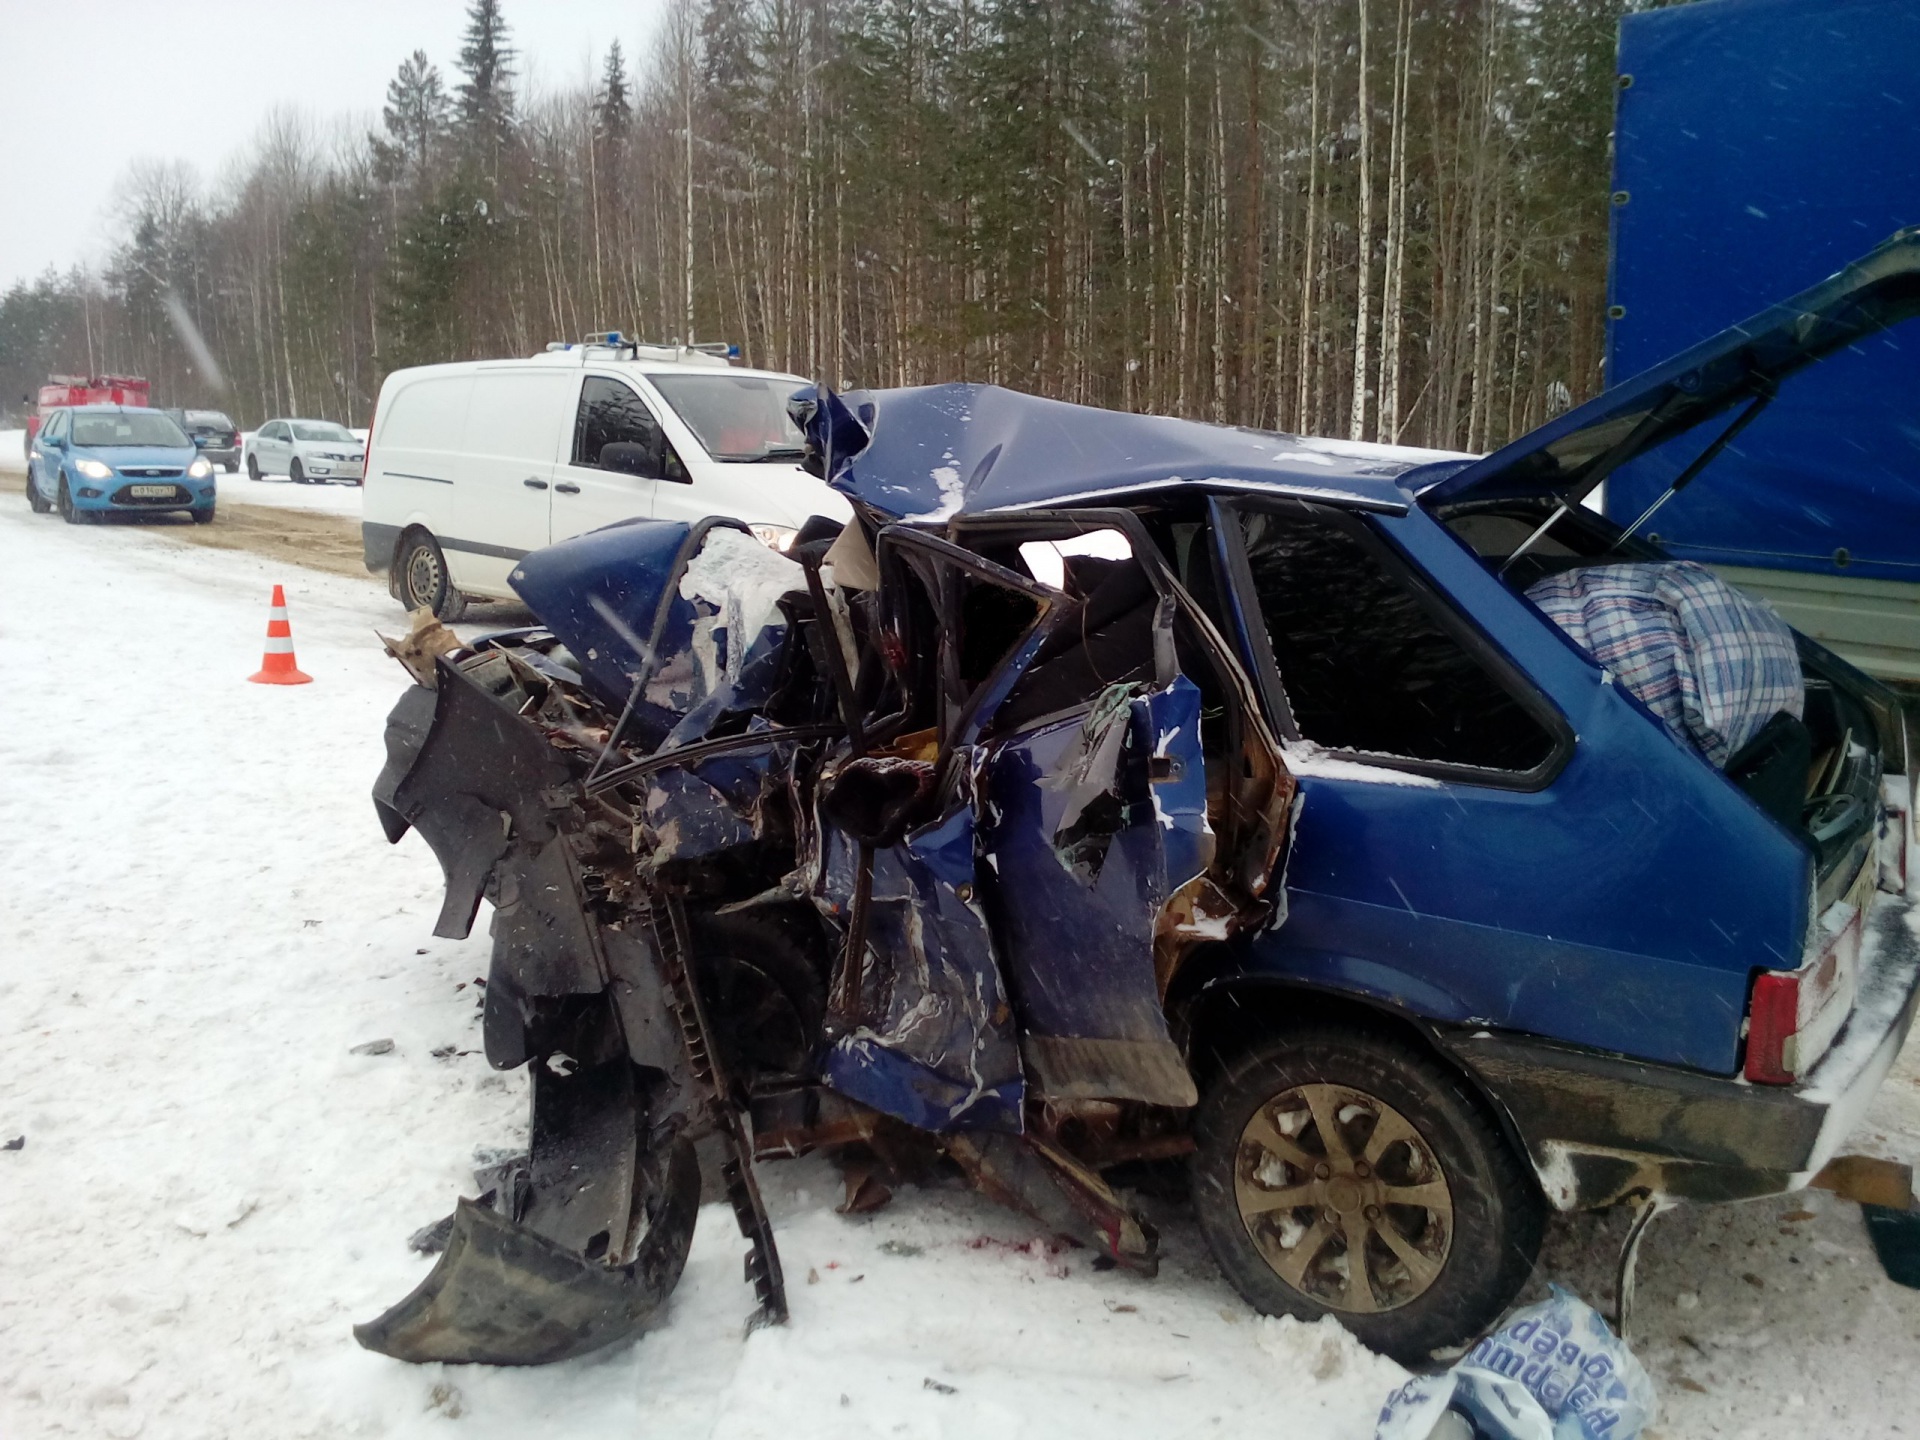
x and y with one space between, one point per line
942 450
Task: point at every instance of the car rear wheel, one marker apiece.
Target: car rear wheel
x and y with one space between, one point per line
253 467
1340 1172
420 578
296 472
232 465
37 502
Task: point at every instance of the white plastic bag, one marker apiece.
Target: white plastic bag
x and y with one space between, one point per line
1553 1371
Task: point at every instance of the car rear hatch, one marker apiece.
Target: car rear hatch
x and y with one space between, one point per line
1520 509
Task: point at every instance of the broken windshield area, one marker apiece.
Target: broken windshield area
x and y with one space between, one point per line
1107 639
738 418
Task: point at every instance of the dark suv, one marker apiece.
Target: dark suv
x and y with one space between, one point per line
217 437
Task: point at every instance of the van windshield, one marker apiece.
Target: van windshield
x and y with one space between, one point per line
742 418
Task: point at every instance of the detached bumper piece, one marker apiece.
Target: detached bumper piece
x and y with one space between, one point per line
502 1294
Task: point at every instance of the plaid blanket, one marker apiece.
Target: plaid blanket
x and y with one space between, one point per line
1714 665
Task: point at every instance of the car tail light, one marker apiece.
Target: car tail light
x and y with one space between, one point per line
1794 1014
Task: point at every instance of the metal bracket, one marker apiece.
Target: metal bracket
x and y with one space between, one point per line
667 918
1646 1206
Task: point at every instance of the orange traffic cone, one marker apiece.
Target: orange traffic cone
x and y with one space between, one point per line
276 666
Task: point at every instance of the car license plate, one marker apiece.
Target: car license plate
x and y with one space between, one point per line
151 492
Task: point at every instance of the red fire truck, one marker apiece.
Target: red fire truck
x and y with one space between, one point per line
63 390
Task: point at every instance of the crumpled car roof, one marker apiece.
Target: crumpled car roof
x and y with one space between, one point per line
942 450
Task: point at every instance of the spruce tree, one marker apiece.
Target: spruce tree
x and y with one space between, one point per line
485 111
613 107
415 116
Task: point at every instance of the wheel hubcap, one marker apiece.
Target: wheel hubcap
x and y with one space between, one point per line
1343 1198
423 576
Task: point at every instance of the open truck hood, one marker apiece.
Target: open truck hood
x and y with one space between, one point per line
1569 456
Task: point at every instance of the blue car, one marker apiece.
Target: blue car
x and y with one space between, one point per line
94 460
1398 843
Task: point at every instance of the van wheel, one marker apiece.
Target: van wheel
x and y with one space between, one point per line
1340 1173
422 574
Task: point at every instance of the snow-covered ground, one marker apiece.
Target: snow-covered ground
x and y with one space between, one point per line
278 491
199 920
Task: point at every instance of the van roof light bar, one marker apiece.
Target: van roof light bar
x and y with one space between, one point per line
618 340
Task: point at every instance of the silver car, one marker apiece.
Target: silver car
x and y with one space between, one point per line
306 452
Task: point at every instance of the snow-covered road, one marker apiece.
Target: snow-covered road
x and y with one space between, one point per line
283 494
199 919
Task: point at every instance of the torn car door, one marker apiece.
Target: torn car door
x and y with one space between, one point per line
925 1032
1098 825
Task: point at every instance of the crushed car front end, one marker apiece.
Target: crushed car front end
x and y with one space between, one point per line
761 833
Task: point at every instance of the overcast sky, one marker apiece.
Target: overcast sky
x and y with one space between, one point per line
90 86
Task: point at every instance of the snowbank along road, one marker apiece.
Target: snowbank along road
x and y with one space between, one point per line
201 921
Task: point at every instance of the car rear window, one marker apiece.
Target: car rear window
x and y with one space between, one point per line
1364 661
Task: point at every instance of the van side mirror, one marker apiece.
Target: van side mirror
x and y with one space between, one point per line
626 457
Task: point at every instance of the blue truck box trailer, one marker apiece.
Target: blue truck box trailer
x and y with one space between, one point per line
1759 146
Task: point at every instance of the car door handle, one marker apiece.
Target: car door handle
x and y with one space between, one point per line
533 484
563 488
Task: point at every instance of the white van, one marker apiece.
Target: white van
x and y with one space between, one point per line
471 465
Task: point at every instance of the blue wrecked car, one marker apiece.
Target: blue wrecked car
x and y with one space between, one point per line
90 461
1393 842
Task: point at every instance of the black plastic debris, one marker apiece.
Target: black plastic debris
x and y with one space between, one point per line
1896 1240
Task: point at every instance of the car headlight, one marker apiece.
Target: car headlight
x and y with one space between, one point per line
776 537
200 468
94 470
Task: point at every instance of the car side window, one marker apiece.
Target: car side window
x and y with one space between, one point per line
56 428
610 414
1364 661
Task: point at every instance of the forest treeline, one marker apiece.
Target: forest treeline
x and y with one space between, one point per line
1383 219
